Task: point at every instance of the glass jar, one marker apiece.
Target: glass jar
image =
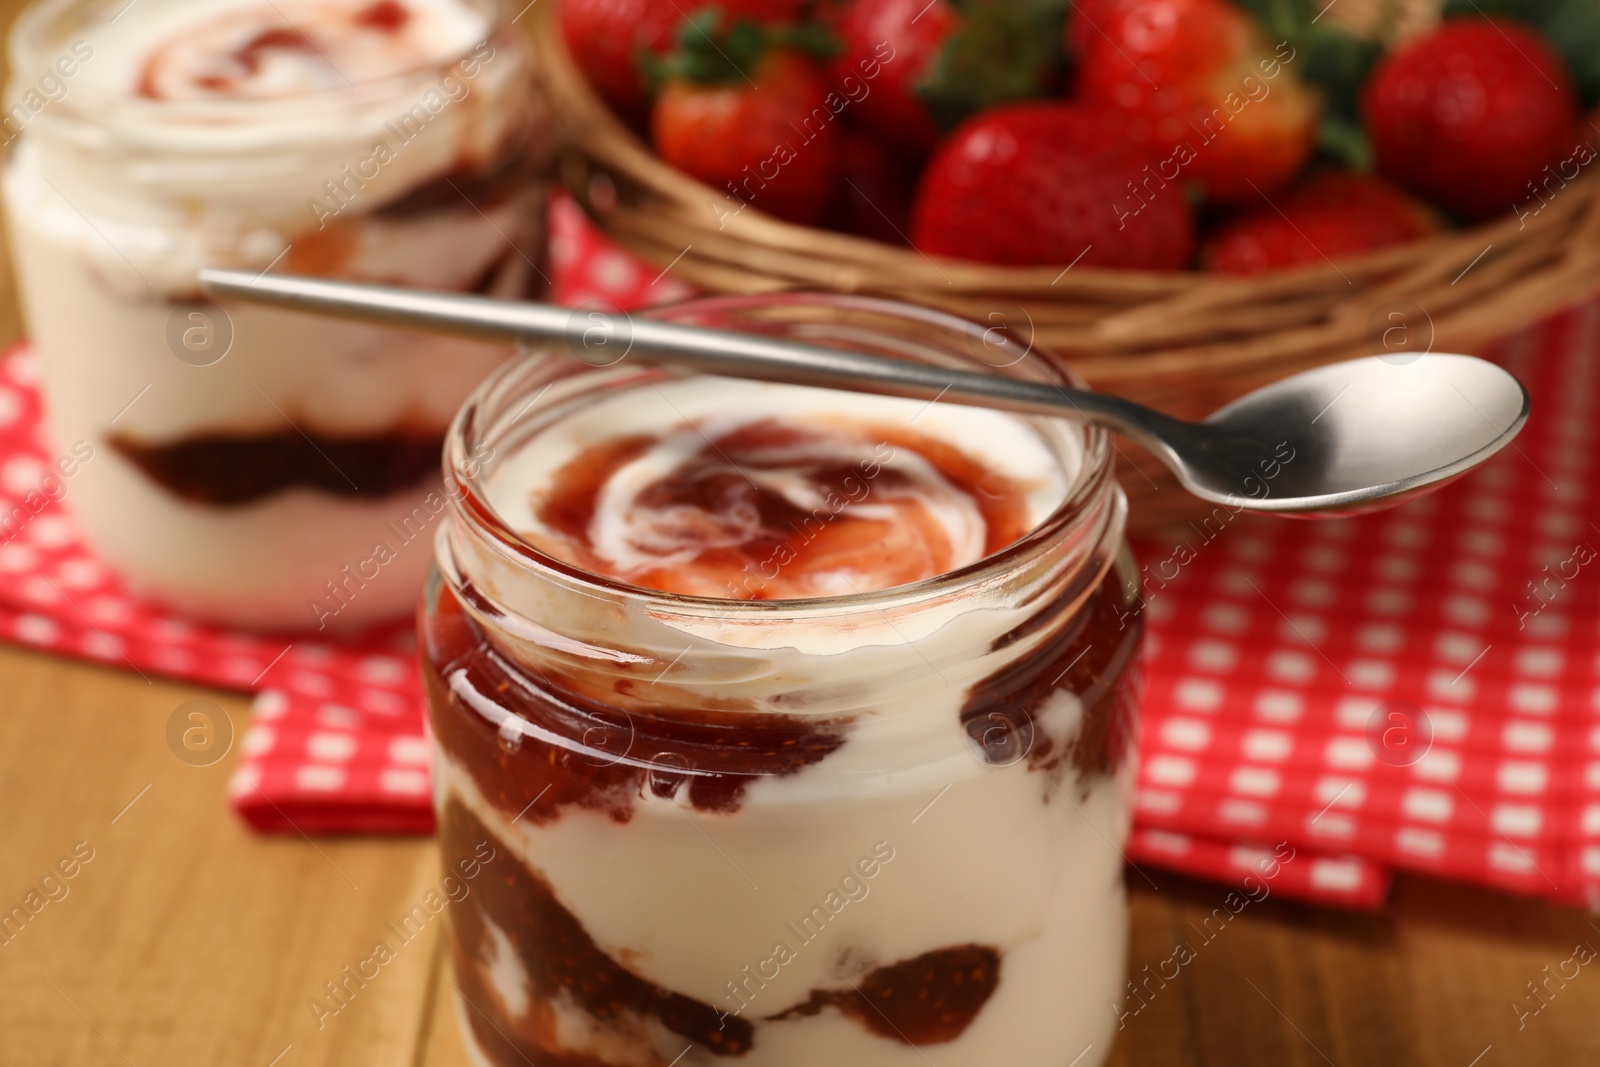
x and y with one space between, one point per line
855 829
251 465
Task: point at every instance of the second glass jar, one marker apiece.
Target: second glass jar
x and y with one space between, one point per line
250 465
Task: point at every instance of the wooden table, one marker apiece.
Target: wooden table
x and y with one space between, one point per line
187 940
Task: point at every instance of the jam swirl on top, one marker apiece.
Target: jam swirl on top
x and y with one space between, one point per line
296 46
767 509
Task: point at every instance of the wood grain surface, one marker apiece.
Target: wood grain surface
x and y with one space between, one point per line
187 940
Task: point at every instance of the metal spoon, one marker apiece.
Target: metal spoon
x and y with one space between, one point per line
1343 438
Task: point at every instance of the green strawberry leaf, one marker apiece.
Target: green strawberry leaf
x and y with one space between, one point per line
709 51
1339 64
1574 31
1283 19
1004 50
1533 11
1342 138
1332 60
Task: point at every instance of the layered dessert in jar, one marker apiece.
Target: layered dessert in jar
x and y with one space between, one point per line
252 465
796 724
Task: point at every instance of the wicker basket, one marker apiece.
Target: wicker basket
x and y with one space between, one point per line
1183 342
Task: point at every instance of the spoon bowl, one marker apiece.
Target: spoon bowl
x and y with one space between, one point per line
1340 439
1350 437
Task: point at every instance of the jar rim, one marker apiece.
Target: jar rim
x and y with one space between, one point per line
1092 495
38 32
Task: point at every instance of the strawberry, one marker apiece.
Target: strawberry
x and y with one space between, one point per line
1200 85
886 46
608 39
757 128
925 65
1329 217
1470 114
1048 183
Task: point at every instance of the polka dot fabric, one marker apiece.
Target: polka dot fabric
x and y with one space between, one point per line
1418 689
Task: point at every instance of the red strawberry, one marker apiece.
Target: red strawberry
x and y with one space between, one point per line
1470 114
874 189
1202 87
1048 183
768 140
1329 217
607 39
887 46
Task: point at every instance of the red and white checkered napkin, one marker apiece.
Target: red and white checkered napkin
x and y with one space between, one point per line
349 712
1271 651
1298 670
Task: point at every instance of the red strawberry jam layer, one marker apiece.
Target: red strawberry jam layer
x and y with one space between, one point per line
773 509
926 1000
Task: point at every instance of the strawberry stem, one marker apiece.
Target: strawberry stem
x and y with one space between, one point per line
1004 50
713 51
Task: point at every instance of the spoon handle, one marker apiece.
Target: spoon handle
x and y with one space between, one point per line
602 339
